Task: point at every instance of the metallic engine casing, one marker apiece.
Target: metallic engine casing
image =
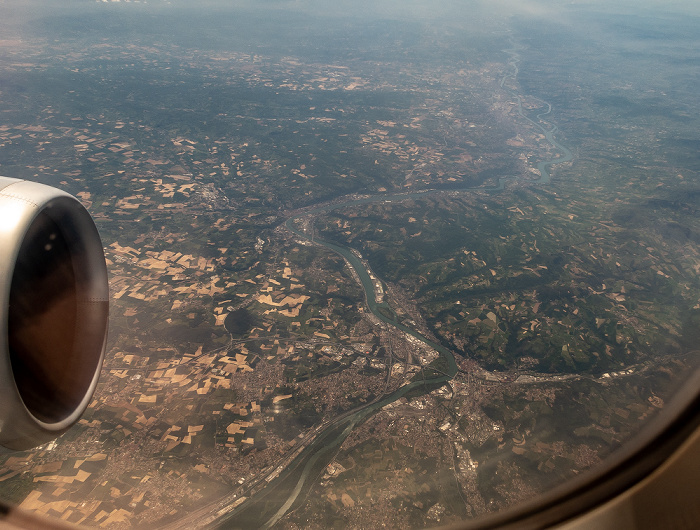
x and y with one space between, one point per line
20 203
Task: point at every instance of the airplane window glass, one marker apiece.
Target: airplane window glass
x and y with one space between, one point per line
371 263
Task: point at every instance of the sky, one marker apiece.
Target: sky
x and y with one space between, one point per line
554 10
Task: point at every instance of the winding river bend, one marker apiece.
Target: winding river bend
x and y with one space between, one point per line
288 489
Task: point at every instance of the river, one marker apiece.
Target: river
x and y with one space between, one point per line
288 490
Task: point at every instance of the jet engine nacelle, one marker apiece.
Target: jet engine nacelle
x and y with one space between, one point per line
53 312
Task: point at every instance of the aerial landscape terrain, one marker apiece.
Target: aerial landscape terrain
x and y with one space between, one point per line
367 269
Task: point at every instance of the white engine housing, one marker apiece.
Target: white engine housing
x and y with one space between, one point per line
54 301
